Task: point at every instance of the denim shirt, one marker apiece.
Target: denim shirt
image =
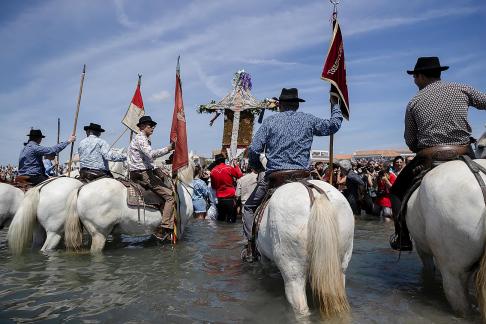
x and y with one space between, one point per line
30 160
287 139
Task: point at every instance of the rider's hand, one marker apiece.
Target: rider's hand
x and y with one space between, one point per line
71 138
333 100
172 145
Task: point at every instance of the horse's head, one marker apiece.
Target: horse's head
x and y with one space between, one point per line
481 147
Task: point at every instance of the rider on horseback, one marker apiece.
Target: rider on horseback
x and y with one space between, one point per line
436 129
94 154
141 158
30 161
286 138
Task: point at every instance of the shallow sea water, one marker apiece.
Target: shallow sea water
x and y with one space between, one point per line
202 280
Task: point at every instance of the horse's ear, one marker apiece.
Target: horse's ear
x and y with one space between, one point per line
191 155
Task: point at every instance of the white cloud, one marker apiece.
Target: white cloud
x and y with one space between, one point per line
122 16
160 96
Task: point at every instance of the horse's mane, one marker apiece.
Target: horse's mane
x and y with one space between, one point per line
186 174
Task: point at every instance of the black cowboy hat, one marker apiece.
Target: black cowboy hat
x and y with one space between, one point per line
427 64
94 127
146 120
35 133
289 95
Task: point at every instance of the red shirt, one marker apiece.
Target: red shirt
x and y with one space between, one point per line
384 200
222 180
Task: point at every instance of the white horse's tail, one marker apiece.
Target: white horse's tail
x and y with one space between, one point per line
73 229
326 276
481 283
21 229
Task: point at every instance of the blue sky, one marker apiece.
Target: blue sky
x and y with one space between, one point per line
280 43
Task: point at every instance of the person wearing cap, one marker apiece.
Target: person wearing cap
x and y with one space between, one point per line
141 165
223 179
94 154
286 139
30 160
436 129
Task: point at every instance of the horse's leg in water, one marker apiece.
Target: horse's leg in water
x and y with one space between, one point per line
98 240
51 242
455 288
295 275
39 236
427 261
97 243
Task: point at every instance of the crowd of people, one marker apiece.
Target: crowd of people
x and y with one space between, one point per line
365 183
7 173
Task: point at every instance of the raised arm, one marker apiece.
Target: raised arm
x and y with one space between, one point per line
325 127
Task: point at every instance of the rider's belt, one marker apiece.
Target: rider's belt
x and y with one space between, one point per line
278 178
444 152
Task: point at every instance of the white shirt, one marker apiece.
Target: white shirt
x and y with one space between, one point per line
141 156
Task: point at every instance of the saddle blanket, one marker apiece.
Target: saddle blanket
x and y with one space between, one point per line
138 196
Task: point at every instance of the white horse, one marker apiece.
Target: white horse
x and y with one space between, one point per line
102 208
41 215
307 242
10 200
446 219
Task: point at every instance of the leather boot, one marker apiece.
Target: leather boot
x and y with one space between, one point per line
162 234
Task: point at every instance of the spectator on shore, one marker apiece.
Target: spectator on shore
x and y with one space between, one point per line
353 184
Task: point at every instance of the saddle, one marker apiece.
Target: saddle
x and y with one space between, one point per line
138 196
276 180
89 175
22 182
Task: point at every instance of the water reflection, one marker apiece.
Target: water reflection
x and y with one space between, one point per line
202 279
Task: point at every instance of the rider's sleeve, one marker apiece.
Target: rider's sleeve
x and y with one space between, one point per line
476 98
257 146
146 149
325 127
410 134
42 150
111 155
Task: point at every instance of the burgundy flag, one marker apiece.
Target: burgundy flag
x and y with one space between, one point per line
178 133
334 69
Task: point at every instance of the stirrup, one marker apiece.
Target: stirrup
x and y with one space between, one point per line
398 244
164 237
247 255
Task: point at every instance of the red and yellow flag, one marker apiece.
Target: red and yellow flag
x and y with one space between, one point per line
178 133
334 69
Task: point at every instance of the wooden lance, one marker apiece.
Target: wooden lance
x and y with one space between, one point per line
58 138
76 118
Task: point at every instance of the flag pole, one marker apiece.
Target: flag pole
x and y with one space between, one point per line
331 137
58 138
331 157
76 118
138 85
